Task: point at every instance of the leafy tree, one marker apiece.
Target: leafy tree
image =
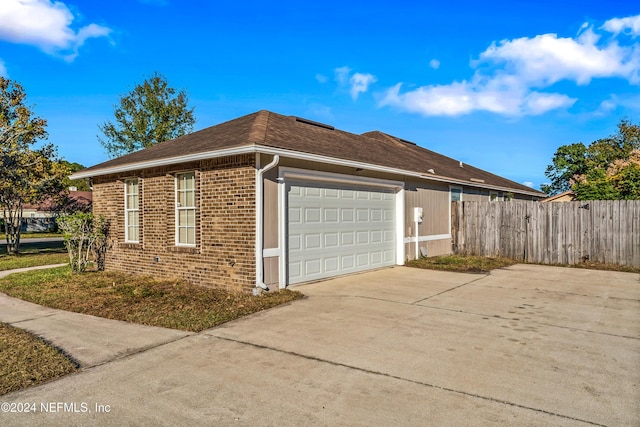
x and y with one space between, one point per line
151 113
80 184
568 161
608 169
28 175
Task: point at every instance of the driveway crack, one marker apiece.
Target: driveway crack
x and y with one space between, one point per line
451 289
408 380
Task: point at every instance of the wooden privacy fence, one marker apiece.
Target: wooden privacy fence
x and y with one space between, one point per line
549 233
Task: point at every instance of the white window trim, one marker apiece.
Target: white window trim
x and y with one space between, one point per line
128 209
179 208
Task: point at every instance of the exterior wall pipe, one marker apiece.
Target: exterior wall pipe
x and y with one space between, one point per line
260 221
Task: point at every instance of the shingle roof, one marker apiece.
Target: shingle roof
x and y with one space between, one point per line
267 129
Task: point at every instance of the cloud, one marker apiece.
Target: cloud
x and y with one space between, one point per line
434 63
512 77
528 184
360 83
3 69
357 83
461 98
546 59
341 75
47 25
629 25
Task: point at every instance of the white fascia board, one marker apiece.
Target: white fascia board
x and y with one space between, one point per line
285 153
165 162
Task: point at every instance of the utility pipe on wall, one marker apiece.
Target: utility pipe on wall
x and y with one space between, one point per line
260 222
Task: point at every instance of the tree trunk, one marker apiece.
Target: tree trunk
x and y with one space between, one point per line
13 228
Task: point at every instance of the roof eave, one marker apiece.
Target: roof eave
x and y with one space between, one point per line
291 154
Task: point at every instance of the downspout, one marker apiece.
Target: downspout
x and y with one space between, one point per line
260 222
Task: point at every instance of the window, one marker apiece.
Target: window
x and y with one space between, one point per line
131 211
186 209
456 194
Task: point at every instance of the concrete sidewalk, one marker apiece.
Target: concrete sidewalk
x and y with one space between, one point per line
89 340
527 345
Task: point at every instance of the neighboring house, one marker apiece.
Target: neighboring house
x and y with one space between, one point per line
279 200
567 196
42 217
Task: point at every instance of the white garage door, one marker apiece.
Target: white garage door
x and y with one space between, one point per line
337 229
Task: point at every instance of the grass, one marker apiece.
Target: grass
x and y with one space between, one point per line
38 235
33 254
464 264
166 303
22 260
478 264
26 360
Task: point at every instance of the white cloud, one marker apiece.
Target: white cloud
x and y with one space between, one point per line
528 184
3 69
360 83
434 63
47 25
546 59
461 98
341 75
511 76
357 83
630 25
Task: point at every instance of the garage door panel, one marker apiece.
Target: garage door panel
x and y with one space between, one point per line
336 229
331 240
331 215
312 241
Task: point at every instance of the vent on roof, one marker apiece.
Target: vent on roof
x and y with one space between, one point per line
312 123
476 180
407 142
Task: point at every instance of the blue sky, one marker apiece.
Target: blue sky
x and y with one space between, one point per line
498 85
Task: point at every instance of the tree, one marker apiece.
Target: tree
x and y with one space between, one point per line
608 169
568 161
150 114
80 184
27 175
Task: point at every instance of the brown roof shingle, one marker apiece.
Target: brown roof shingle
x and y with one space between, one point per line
267 129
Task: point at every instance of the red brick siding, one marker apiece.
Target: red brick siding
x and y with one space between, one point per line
224 255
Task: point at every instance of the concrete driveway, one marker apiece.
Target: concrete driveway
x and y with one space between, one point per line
526 345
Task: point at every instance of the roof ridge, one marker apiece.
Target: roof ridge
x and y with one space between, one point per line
259 127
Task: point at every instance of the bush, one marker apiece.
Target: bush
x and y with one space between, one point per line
84 235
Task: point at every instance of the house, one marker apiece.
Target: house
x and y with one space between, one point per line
268 200
42 217
566 196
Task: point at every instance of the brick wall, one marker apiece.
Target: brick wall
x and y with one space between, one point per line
224 255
